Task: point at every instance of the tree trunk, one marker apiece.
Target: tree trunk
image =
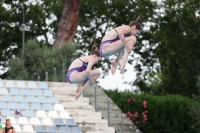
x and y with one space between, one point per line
68 22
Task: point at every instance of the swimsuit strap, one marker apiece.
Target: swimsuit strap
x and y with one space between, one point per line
115 30
125 35
83 61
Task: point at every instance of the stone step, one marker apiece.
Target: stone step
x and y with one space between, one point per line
61 85
98 128
91 114
100 95
67 95
115 118
78 104
70 110
71 99
130 128
102 99
64 90
98 132
119 131
105 107
90 121
113 113
87 117
126 130
67 101
93 125
119 123
110 129
85 130
78 108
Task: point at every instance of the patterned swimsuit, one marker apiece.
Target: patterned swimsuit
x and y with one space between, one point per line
79 69
110 41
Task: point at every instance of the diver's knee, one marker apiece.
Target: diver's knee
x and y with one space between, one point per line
98 73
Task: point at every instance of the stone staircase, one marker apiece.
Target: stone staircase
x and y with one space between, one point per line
115 118
80 110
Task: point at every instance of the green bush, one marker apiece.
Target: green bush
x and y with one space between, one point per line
41 58
195 108
164 114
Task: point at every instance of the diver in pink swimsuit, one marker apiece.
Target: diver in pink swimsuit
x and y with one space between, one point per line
123 42
80 71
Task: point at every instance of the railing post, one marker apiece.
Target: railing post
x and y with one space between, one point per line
46 76
83 93
34 76
138 131
108 111
38 78
95 98
54 73
63 72
122 123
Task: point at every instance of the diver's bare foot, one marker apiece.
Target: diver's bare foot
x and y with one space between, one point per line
78 94
114 67
122 66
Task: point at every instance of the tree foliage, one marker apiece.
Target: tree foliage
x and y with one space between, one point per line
40 20
195 107
178 32
39 59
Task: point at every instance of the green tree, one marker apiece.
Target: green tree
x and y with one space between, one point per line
39 59
174 37
177 33
40 19
195 108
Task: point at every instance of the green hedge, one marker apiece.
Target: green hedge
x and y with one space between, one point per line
160 114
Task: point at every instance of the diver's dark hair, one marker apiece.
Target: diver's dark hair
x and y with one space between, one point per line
95 51
136 23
